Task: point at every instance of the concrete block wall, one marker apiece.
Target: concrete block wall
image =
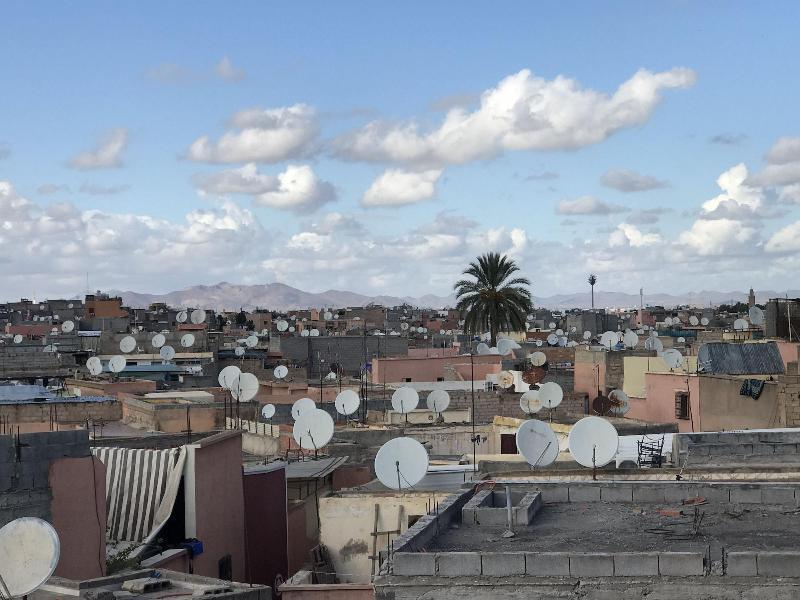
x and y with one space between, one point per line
762 563
741 448
488 405
24 470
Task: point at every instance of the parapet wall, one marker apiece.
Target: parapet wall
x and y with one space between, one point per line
737 448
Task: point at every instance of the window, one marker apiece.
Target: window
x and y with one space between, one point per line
440 379
682 409
407 379
508 443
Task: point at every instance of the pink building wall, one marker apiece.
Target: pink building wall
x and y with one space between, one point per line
393 370
659 404
432 352
788 350
590 376
78 511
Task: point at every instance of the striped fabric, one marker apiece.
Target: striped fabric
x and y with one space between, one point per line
136 482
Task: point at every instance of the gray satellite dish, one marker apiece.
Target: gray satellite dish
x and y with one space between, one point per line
228 375
18 339
550 394
740 325
181 316
268 411
94 365
401 463
537 443
552 325
593 442
291 329
672 358
693 321
405 399
117 363
328 315
245 387
552 339
314 332
29 553
438 401
538 359
313 429
158 340
559 332
630 339
167 352
668 321
347 402
198 316
187 340
280 371
281 325
482 348
620 404
251 341
302 405
529 402
238 351
704 321
67 326
127 344
304 333
756 315
609 339
653 343
504 346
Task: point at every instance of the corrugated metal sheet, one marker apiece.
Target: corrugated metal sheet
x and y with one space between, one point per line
314 469
740 359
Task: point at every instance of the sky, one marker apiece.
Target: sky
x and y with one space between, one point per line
380 147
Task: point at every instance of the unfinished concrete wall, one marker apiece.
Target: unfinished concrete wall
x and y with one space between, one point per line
71 412
722 407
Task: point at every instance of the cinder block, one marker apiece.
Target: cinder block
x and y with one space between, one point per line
681 564
584 492
616 492
741 564
778 495
714 493
413 563
547 564
458 564
648 492
678 491
555 494
746 494
591 565
779 564
633 564
501 564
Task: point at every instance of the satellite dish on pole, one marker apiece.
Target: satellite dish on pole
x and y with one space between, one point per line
482 348
302 405
18 338
704 321
593 442
158 340
529 402
29 553
740 325
653 343
94 365
281 325
405 399
251 341
630 339
347 402
313 429
280 371
438 401
672 358
181 316
505 379
550 394
187 340
67 326
228 376
401 463
245 387
538 359
117 363
609 339
537 443
756 315
693 321
268 411
619 403
198 316
127 344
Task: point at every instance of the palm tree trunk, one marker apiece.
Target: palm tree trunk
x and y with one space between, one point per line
592 297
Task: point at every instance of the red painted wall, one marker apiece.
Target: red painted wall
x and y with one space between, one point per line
265 520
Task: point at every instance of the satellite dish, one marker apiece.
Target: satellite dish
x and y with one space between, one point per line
619 403
268 411
198 316
593 442
529 402
167 352
70 305
505 379
291 329
653 343
314 332
401 463
530 317
552 339
630 339
67 326
740 325
245 387
228 376
280 371
304 333
756 315
419 329
681 340
328 315
550 394
563 341
693 321
482 348
552 325
50 348
704 321
668 321
158 340
438 401
238 351
403 326
537 443
29 553
313 429
559 332
181 316
251 341
609 339
539 343
672 357
187 340
127 344
347 402
505 346
405 399
117 363
538 359
17 339
281 325
94 365
301 406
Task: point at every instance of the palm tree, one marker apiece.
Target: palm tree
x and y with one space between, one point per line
494 300
592 280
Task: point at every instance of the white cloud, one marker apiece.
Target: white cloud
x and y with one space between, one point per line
298 189
398 187
523 112
785 150
786 239
783 166
106 155
242 180
260 136
738 197
710 237
626 180
627 235
226 70
335 222
587 205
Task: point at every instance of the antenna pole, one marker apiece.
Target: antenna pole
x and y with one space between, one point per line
472 415
397 466
594 462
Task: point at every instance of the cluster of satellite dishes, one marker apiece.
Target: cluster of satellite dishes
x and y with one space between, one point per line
29 554
593 442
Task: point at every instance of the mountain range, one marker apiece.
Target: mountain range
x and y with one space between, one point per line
279 296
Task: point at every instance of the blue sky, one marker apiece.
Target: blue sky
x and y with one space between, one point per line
103 103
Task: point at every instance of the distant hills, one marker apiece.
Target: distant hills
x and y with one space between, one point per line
279 296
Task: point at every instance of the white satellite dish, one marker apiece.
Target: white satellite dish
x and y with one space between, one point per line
405 399
313 429
281 325
609 339
347 402
70 305
67 326
280 371
756 315
181 316
537 443
187 340
158 340
552 325
302 405
538 359
505 346
505 379
668 321
268 411
529 402
559 332
620 404
552 339
245 387
50 348
401 463
693 321
304 333
18 338
630 339
550 394
681 340
653 343
167 352
539 343
482 348
593 442
403 326
238 351
704 321
198 316
563 341
314 332
117 363
228 376
127 344
94 365
291 329
672 357
438 401
328 315
740 325
251 341
29 553
530 317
